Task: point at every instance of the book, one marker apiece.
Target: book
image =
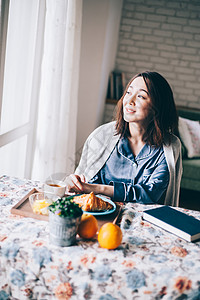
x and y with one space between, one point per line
110 89
116 85
174 221
118 78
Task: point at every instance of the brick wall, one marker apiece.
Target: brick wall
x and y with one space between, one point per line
164 36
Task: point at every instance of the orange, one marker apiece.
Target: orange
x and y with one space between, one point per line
110 236
88 226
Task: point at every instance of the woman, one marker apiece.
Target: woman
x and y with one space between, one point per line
137 158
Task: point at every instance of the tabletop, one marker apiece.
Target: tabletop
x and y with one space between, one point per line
151 263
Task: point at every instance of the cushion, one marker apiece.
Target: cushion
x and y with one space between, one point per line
189 131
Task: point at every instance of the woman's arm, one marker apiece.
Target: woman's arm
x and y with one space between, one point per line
107 190
77 184
149 189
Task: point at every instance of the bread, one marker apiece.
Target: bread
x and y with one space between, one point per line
90 202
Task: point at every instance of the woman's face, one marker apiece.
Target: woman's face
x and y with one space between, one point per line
136 102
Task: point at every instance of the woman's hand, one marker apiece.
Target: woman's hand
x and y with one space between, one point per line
75 183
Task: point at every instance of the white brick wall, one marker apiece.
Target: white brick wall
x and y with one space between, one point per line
162 36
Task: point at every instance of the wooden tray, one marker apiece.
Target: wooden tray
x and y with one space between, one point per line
23 208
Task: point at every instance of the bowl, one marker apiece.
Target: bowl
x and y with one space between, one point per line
40 201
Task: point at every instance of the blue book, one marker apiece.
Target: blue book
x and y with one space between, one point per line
174 221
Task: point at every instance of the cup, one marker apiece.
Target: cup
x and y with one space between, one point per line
56 187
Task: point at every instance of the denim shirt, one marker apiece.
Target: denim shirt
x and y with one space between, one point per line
143 178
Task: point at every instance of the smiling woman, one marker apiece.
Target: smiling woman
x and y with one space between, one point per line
137 158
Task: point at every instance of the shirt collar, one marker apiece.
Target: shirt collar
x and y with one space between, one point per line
125 150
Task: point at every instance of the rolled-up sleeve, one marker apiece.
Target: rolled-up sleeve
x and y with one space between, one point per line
119 191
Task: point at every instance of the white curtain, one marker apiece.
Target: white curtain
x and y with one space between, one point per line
57 114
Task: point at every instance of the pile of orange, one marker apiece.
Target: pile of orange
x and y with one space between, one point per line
109 236
88 226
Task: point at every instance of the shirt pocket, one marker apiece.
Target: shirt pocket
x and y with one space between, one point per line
147 174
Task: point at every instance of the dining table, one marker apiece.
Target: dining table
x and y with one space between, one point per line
150 263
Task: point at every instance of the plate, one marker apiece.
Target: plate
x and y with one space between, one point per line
104 212
100 213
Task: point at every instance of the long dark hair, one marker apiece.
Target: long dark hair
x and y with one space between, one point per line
164 119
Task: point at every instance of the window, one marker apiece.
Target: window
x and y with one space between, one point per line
21 39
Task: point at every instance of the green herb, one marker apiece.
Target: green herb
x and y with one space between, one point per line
66 207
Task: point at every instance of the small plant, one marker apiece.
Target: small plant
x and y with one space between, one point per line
65 207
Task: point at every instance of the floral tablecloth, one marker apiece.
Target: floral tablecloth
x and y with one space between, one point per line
150 263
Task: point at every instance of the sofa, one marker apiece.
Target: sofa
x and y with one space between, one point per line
189 131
